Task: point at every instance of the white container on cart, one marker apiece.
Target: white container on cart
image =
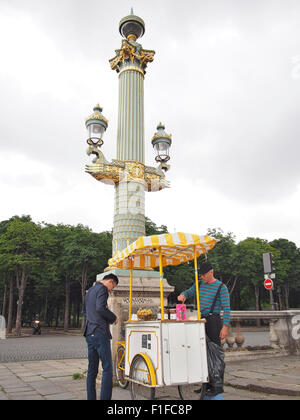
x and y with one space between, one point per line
176 349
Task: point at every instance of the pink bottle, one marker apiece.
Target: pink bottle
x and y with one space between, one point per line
181 312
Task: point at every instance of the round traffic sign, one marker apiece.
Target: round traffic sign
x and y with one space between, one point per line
268 283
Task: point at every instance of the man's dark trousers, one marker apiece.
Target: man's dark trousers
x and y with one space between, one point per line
99 349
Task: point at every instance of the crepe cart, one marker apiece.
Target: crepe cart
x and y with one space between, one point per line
163 352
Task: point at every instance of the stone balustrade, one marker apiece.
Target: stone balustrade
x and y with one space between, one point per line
284 329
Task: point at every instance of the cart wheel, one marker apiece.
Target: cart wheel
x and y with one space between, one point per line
140 372
120 367
192 391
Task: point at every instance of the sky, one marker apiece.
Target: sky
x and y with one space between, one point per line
225 81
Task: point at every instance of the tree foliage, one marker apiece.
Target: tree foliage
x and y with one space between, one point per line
45 269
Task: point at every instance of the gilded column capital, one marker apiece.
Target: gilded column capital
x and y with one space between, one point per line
131 56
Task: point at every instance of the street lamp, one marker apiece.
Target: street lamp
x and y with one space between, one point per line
132 27
128 172
96 125
161 141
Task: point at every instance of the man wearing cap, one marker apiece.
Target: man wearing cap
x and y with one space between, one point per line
208 289
214 296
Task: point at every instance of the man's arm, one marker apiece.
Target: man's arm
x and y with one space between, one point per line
101 307
225 304
191 292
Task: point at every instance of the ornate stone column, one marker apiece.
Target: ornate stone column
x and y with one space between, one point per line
128 172
130 63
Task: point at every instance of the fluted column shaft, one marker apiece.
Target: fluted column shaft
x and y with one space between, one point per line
130 63
130 137
129 210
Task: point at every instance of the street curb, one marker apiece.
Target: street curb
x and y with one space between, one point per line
273 389
266 388
248 355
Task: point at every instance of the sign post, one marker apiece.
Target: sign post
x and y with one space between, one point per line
269 275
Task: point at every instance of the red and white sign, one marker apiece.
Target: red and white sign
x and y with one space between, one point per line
268 283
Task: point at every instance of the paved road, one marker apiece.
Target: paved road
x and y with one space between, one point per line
60 346
256 338
43 347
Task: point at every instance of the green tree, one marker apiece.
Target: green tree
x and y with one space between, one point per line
48 284
20 252
86 252
221 257
248 265
152 229
287 267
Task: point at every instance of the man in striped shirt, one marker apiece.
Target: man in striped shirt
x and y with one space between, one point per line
207 292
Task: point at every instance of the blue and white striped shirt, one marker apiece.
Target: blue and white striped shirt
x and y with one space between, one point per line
207 293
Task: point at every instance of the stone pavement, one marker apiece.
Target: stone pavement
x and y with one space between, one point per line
275 375
42 380
263 379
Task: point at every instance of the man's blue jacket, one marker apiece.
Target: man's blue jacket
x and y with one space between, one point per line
97 315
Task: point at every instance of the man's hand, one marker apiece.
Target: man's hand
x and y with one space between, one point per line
224 332
181 298
116 321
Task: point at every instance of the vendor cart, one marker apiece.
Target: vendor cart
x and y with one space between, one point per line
163 352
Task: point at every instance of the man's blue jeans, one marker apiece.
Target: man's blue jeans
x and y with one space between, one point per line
99 349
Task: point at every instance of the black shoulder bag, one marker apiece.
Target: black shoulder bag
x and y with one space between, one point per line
213 323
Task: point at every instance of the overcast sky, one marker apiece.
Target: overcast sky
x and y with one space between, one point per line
225 81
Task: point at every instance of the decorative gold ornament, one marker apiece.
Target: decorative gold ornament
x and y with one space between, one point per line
97 115
135 170
118 171
132 36
131 51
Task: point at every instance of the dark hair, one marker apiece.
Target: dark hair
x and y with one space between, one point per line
112 277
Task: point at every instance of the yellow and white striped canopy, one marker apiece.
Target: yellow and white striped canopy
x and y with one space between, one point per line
176 248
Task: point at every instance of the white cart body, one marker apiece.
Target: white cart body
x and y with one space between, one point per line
177 350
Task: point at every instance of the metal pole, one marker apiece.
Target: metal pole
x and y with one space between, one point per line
161 286
197 283
273 306
130 288
272 303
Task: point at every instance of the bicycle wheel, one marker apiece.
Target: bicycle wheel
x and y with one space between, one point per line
120 367
140 374
192 391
